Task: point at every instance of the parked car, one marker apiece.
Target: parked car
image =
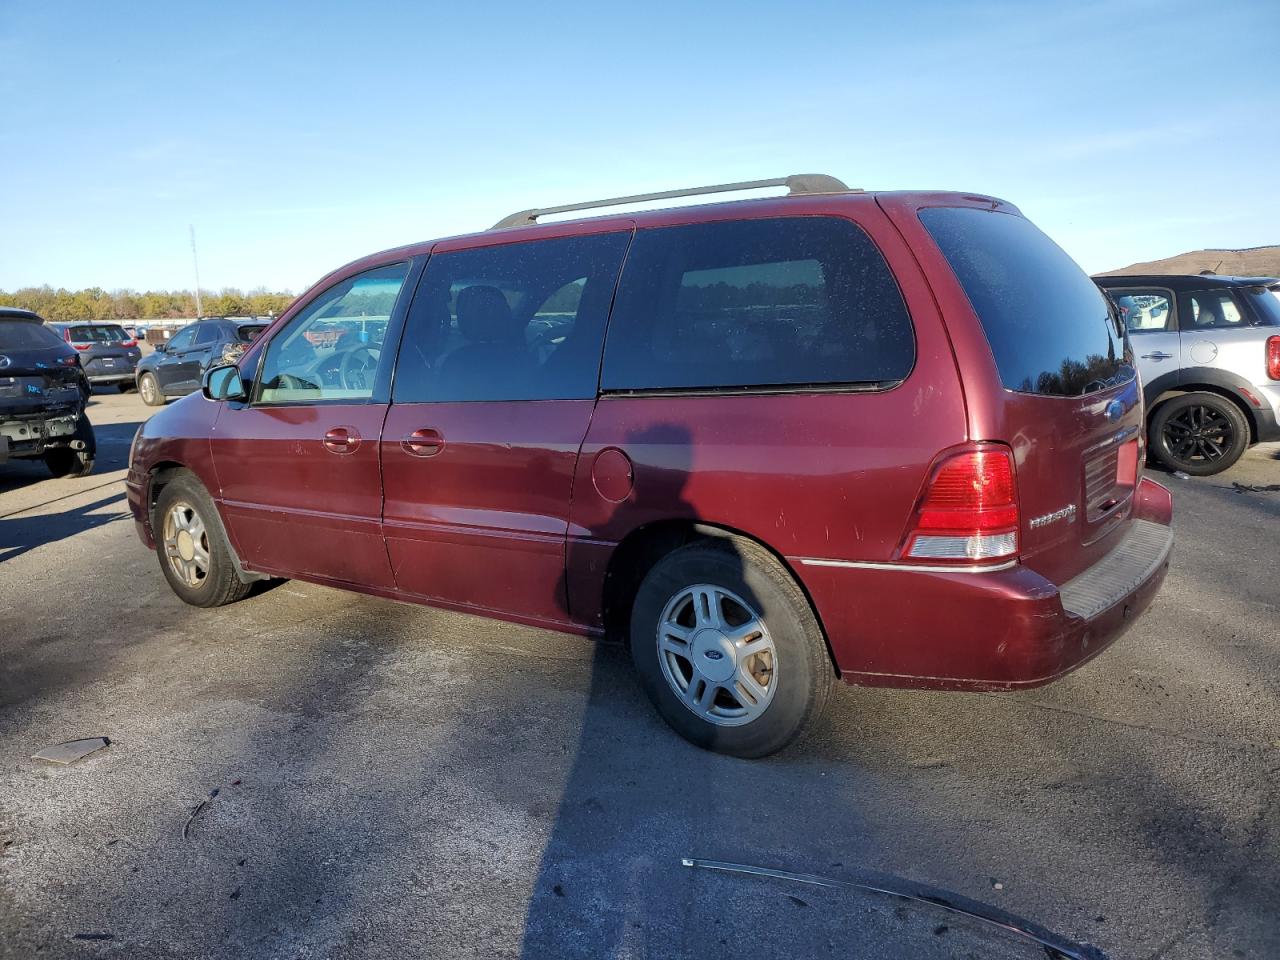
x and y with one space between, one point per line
893 438
42 397
108 353
1208 351
174 368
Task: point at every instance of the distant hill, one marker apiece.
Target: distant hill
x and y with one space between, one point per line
1250 262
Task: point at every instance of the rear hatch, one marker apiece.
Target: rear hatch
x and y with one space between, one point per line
1066 396
39 374
105 348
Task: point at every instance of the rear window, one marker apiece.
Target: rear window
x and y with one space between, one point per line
98 333
21 335
779 302
1050 328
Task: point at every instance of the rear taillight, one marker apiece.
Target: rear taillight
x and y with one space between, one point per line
66 335
128 343
1273 358
82 346
969 511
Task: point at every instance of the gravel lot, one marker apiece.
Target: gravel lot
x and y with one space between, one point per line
400 782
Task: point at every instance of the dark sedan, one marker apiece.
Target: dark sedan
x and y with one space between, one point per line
175 368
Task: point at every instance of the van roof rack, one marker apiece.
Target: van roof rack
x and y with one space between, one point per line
797 183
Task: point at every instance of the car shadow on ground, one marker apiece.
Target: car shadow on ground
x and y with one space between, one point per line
42 518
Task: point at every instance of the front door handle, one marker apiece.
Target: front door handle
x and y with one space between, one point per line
1158 355
425 442
341 440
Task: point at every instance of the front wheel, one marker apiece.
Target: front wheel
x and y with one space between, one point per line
1199 433
150 390
728 649
194 554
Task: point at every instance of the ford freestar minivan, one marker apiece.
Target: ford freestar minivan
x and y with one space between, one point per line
888 437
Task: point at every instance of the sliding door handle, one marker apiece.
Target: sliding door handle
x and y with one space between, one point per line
423 443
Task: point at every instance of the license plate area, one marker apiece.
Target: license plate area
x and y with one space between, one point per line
1110 476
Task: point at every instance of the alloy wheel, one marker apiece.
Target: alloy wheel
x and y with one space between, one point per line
186 544
717 655
1198 433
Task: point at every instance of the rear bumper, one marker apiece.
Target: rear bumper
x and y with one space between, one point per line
998 630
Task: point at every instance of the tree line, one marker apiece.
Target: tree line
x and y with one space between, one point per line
94 303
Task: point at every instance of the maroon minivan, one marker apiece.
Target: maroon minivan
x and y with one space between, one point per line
888 437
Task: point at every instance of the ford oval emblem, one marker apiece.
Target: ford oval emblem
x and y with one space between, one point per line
714 655
1115 410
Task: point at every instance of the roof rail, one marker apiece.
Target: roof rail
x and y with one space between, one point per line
796 184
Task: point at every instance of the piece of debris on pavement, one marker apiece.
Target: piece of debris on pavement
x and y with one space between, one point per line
72 750
195 812
1181 476
1054 945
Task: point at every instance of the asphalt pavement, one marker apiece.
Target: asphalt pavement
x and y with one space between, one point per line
315 774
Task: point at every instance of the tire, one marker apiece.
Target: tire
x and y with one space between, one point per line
184 506
65 462
791 670
149 388
1199 433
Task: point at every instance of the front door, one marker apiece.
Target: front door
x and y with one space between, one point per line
300 482
169 365
1149 315
494 388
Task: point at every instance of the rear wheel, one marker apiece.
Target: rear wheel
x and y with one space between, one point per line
150 390
728 649
1199 433
76 460
194 554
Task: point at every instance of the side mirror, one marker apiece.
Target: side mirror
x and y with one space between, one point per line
223 383
160 346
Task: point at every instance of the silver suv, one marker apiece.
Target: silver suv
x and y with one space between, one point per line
1208 352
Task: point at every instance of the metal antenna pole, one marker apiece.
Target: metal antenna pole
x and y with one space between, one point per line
195 262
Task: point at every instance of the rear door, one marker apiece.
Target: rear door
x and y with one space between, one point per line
1047 371
494 388
1219 330
298 471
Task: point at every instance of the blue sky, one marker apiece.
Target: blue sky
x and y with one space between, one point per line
297 136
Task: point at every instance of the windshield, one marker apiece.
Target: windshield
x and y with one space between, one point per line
21 335
1050 328
98 333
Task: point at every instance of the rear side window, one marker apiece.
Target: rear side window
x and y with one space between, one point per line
1266 304
1208 309
21 335
1050 328
208 334
248 332
522 321
745 304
